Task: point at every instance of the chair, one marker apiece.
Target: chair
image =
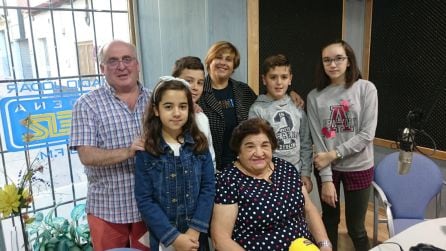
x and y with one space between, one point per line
405 197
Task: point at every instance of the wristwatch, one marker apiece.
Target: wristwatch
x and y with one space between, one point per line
339 155
324 243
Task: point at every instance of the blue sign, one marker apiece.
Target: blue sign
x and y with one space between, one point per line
37 121
70 85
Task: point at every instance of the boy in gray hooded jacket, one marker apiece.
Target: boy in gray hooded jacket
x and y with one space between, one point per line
289 121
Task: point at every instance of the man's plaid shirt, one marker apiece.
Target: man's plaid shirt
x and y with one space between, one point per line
102 120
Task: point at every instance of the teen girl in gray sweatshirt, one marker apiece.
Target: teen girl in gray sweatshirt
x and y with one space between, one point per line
342 113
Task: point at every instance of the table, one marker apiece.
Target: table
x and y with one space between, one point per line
431 231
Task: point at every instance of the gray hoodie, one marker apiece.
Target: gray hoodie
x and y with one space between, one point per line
291 127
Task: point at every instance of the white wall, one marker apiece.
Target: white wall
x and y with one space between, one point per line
354 26
170 29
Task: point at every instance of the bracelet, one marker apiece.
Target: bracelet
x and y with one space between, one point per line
339 155
324 243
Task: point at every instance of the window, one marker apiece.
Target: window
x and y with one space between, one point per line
47 60
86 57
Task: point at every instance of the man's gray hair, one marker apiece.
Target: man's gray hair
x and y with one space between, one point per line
102 50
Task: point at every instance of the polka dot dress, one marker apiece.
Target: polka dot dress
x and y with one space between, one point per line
271 215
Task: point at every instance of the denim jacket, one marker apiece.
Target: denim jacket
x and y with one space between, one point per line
158 182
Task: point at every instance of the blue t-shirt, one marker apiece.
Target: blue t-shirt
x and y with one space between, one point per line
226 99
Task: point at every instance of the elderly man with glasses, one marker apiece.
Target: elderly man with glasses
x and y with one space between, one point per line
105 132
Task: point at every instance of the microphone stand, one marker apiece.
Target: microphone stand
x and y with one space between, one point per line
417 117
406 143
431 110
415 121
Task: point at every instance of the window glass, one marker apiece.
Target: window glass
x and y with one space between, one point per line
47 60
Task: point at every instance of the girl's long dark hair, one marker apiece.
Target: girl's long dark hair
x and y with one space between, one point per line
352 74
152 126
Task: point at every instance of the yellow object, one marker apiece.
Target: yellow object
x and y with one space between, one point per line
302 244
9 200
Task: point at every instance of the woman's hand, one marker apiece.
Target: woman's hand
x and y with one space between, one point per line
323 159
325 249
297 100
197 108
307 183
222 225
185 243
315 224
329 194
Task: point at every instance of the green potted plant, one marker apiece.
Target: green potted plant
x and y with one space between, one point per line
48 233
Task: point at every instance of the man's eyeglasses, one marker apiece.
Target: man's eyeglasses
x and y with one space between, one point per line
114 62
337 60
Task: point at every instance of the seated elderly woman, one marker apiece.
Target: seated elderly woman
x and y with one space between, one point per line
261 203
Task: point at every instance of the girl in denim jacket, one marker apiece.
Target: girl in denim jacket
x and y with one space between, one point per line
174 176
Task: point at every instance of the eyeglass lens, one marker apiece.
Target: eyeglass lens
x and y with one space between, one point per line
114 62
337 60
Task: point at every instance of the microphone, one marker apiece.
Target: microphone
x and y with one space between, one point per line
406 151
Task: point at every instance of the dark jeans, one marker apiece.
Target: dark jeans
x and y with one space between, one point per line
356 203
